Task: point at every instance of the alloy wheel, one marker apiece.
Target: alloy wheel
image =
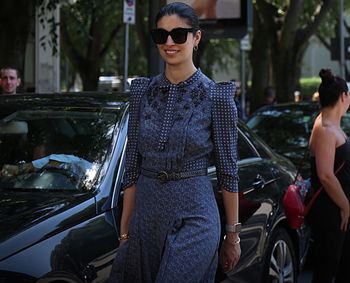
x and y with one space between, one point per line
281 265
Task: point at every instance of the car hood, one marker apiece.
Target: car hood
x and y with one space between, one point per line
292 152
29 217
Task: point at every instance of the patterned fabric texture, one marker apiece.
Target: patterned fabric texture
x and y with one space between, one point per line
175 228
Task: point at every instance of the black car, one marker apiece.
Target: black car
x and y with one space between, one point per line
59 219
286 128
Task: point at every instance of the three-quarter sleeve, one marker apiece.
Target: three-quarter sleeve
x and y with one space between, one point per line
224 120
132 158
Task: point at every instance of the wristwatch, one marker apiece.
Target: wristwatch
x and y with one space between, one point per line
235 228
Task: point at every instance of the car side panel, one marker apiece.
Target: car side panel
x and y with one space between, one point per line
79 254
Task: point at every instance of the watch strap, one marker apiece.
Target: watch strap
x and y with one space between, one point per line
235 228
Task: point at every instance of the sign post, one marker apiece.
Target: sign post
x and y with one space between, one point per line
244 46
128 18
341 36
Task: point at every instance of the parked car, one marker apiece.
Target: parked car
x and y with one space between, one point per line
286 128
60 223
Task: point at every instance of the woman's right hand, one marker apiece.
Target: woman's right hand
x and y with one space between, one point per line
344 216
229 254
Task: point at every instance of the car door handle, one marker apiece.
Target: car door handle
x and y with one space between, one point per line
259 182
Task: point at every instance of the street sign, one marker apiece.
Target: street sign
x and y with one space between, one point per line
245 43
129 11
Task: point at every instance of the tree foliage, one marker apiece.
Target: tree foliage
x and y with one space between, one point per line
17 20
92 37
281 32
217 56
15 27
88 29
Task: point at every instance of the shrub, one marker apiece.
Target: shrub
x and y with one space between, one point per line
308 86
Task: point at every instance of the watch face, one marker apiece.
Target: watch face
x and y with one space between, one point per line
238 227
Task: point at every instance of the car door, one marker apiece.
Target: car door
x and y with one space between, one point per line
257 194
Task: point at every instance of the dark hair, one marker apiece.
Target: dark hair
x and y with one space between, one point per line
269 91
10 68
182 10
331 87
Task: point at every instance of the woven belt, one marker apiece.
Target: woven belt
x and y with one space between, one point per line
164 176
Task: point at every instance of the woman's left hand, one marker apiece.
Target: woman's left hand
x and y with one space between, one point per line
229 255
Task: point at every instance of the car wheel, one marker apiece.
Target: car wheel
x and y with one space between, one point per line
280 262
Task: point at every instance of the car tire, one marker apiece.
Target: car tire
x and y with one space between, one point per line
280 263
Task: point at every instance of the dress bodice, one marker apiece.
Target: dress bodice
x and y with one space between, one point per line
178 127
175 124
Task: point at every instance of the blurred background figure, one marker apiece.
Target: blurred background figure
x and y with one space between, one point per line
9 80
315 96
297 96
238 100
269 95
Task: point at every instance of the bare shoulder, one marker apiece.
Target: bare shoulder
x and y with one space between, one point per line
325 132
323 136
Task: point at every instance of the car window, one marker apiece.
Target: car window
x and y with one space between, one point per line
287 127
46 149
345 123
244 148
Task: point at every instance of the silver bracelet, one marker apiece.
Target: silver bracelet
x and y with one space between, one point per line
235 242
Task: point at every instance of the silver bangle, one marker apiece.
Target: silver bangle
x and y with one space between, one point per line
235 242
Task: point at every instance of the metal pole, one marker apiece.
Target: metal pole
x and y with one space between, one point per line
126 57
243 84
341 36
67 74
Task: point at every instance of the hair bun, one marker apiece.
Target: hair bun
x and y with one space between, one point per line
326 75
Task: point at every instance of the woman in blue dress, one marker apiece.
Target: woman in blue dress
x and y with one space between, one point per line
170 225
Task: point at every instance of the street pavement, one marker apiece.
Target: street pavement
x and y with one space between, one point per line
305 276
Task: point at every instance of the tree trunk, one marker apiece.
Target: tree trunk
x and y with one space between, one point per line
285 79
260 61
86 53
90 76
286 39
89 80
88 66
287 73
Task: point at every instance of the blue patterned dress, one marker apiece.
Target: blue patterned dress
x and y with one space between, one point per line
175 227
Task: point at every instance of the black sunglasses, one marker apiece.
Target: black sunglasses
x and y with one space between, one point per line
179 35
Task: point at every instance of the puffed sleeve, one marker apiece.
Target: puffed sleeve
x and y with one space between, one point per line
132 158
224 120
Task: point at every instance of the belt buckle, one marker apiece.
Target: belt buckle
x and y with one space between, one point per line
163 176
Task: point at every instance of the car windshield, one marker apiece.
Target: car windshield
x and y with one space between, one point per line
54 150
283 127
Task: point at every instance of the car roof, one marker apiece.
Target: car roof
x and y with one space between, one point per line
306 105
93 100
